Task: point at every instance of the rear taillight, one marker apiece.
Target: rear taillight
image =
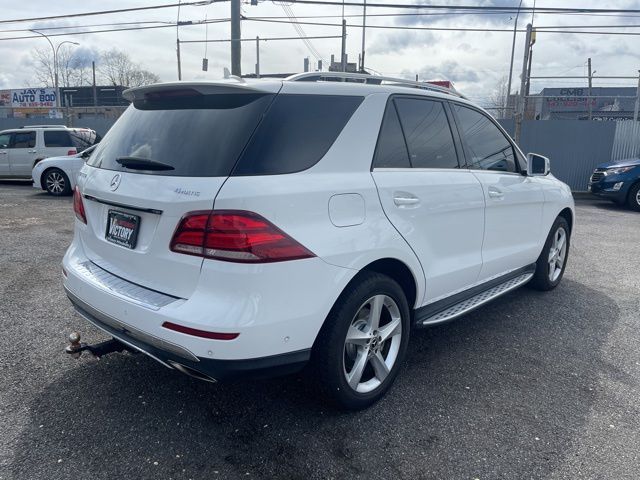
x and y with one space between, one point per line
78 206
235 236
72 152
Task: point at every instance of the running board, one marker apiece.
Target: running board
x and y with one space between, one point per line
471 303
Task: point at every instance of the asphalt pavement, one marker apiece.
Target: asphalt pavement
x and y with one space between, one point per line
533 385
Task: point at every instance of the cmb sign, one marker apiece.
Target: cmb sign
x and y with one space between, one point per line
33 98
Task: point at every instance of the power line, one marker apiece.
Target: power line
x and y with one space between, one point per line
107 12
88 32
261 39
445 29
69 27
469 7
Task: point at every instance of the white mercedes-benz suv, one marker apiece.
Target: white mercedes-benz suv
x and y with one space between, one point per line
240 228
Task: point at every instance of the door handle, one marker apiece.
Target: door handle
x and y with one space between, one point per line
33 151
495 193
405 200
3 153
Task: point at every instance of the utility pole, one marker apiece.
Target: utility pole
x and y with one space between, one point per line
343 57
236 68
513 49
589 98
178 42
635 111
364 31
523 85
257 57
95 92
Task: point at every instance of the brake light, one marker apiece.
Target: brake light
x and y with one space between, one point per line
235 236
78 206
71 152
200 333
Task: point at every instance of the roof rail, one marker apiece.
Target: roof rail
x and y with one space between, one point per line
370 79
43 126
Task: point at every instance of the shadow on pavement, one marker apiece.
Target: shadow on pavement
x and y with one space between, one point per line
499 393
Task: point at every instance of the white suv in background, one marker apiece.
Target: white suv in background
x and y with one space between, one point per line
22 148
229 229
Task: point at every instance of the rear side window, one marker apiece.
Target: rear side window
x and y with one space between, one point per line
427 132
23 140
487 147
57 138
198 135
296 133
391 150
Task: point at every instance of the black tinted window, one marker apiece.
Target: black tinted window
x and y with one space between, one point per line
296 133
23 140
57 139
198 135
427 132
487 147
5 139
391 150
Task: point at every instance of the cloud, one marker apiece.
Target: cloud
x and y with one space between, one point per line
83 56
429 16
447 70
397 42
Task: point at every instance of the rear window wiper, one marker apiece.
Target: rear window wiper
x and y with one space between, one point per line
139 163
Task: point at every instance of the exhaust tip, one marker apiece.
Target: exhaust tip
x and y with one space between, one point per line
191 372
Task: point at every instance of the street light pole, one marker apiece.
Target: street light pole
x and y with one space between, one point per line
55 63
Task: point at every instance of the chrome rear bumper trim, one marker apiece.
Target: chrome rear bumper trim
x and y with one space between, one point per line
120 287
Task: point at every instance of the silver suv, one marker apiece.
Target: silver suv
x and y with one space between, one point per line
22 148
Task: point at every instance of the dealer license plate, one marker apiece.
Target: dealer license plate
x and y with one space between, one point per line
122 229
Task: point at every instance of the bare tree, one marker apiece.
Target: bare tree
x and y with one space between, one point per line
115 67
118 69
143 77
500 96
43 66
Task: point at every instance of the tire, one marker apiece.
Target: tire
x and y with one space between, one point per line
334 357
56 182
633 199
544 279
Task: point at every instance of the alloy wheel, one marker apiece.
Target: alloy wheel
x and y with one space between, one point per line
372 343
557 254
55 182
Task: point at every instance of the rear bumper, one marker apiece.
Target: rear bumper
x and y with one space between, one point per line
277 309
176 357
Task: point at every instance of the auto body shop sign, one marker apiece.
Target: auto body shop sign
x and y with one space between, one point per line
28 98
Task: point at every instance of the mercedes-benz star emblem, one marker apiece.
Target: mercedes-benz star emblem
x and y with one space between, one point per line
115 182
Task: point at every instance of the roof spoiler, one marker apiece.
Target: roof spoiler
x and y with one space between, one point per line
227 86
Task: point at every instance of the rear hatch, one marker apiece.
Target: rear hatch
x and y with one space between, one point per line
167 155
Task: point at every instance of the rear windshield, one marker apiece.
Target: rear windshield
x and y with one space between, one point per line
207 135
199 136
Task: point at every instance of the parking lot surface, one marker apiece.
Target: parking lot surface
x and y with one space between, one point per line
534 385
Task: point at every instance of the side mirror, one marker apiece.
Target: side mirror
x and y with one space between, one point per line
537 165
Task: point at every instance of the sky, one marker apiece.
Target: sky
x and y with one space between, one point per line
474 61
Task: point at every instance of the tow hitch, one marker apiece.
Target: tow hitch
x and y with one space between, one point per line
75 347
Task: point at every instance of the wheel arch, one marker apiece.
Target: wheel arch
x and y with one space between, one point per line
398 271
567 214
